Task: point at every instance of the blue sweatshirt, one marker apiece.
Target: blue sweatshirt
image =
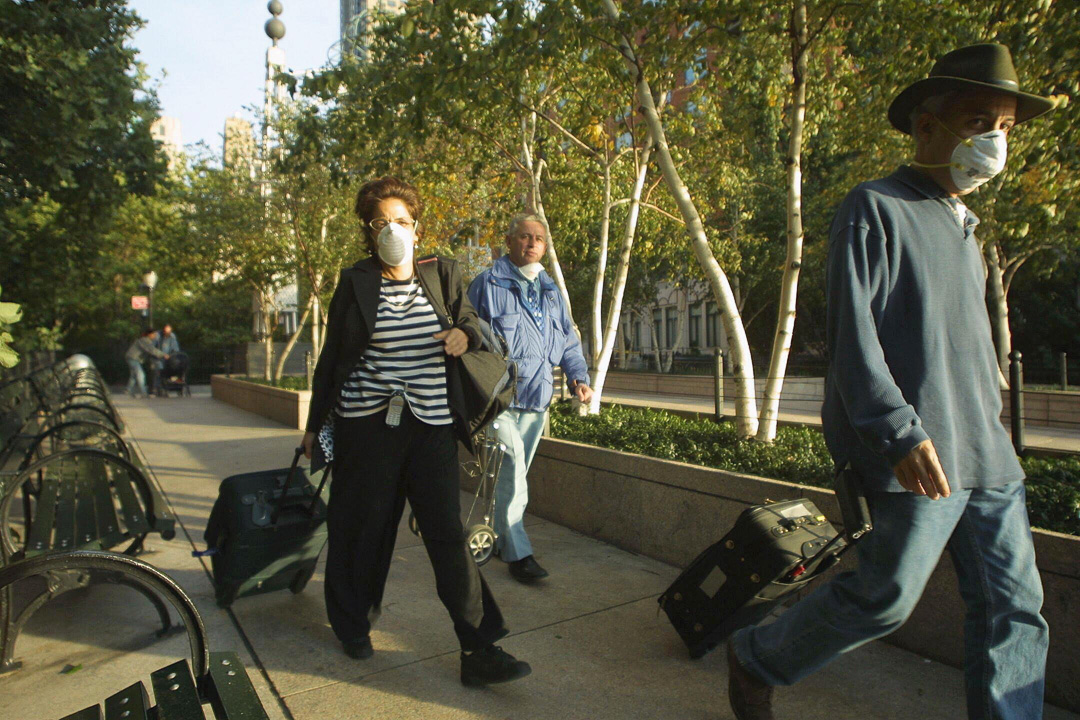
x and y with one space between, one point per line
910 350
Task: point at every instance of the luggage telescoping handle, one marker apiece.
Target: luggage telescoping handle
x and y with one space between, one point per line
288 481
855 514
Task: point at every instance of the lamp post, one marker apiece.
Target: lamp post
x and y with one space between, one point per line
272 90
150 280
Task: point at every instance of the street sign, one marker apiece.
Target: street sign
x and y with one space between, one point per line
140 302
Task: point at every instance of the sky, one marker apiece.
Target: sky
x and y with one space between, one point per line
207 57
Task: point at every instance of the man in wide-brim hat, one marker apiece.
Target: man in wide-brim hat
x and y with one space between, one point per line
912 406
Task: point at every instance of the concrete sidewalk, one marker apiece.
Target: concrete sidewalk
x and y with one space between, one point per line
598 647
799 412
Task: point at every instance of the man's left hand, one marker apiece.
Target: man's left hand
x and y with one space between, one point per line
583 392
455 341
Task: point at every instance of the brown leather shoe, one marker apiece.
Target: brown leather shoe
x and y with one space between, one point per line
750 698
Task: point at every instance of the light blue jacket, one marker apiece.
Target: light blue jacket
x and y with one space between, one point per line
536 347
169 345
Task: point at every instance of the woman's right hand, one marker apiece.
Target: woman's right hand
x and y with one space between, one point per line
308 443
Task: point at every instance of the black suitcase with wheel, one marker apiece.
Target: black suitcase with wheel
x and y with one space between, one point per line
266 532
773 551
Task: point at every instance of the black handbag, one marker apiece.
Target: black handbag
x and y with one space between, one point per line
486 376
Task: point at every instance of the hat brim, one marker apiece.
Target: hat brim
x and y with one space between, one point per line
1028 106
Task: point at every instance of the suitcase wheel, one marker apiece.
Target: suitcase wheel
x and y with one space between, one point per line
413 525
300 581
481 543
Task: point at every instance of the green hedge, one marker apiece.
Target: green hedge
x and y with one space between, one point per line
288 382
798 455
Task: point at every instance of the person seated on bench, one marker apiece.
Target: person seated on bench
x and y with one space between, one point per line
168 343
136 353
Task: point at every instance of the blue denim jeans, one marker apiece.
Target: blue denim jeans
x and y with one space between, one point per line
137 378
519 431
989 538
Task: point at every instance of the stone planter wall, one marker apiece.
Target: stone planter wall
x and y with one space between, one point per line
288 407
671 511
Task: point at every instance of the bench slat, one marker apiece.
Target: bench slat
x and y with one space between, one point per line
175 693
41 531
231 692
90 713
86 525
108 526
131 703
64 537
134 517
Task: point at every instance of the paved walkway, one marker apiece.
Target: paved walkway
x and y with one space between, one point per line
592 633
805 413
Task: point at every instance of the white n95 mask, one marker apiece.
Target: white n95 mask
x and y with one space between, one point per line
975 159
396 243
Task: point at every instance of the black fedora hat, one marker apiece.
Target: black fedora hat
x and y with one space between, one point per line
988 66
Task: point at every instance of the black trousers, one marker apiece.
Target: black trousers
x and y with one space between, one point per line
376 468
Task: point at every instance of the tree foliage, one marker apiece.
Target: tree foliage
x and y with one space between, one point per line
74 146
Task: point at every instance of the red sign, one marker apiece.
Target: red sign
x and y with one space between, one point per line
139 302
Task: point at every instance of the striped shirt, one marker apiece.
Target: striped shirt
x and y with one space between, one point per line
402 355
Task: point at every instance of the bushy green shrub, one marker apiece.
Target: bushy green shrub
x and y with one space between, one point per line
1053 489
286 382
798 454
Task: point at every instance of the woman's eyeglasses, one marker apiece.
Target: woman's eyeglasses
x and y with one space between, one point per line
379 223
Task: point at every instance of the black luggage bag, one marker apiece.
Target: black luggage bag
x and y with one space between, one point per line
773 551
266 532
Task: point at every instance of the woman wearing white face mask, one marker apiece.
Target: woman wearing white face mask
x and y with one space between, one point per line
385 410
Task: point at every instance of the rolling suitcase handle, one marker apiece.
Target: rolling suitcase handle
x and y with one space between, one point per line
288 481
854 513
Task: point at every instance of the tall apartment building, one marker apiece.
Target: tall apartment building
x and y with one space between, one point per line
239 143
356 19
166 130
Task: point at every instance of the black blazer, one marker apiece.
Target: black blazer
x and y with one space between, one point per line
351 320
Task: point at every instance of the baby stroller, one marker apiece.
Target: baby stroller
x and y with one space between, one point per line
479 534
174 375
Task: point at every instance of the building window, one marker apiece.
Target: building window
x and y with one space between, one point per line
635 337
658 327
671 318
695 326
713 328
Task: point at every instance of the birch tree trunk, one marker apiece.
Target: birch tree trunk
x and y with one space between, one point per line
316 316
536 170
655 344
279 369
789 287
597 329
265 308
680 334
742 362
620 346
999 307
622 269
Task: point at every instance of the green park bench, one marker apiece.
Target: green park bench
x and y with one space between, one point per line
30 430
81 489
63 391
181 689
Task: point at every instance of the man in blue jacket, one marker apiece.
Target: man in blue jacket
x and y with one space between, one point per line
523 305
912 405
